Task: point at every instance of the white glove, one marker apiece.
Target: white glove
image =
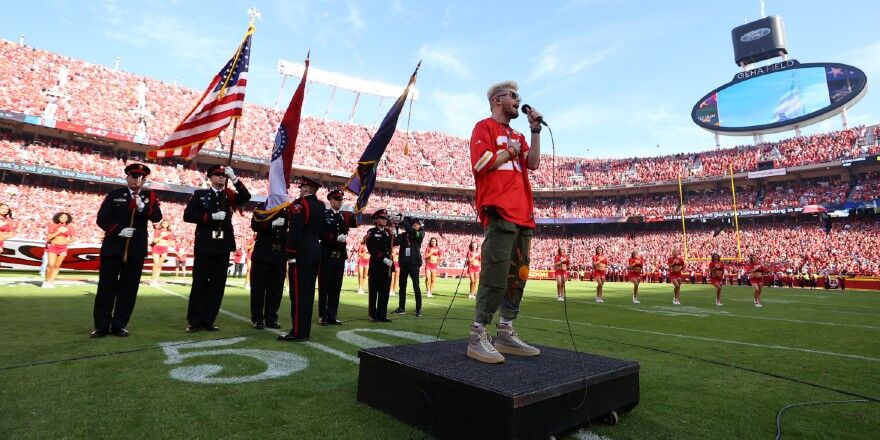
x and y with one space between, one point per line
291 261
342 238
221 215
387 262
278 222
139 202
126 232
231 174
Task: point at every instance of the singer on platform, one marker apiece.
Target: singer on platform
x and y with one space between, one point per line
500 156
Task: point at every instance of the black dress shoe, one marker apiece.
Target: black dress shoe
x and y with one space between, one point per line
122 333
399 311
322 321
334 321
272 325
192 328
418 313
290 338
211 327
258 325
384 320
98 333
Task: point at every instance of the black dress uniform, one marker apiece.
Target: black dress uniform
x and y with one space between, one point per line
306 225
215 240
121 269
333 256
268 269
410 259
379 243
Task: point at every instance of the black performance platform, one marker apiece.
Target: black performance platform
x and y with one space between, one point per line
436 387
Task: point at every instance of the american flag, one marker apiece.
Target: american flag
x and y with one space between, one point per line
220 104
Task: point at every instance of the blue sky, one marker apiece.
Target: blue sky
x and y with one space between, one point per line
615 78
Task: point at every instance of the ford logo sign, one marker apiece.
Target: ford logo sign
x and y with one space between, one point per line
755 35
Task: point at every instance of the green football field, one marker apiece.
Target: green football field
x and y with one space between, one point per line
706 371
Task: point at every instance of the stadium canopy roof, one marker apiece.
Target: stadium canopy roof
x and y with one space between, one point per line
332 79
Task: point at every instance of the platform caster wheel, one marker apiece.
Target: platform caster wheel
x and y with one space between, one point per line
611 419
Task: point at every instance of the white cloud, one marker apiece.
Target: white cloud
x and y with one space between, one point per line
459 111
590 61
546 64
445 59
566 59
182 40
401 11
866 58
354 18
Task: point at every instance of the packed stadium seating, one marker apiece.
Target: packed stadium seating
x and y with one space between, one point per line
101 97
83 157
853 245
333 146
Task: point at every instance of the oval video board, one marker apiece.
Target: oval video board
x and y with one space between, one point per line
779 97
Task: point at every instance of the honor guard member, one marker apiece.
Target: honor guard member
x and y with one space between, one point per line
306 224
268 268
333 256
410 258
379 243
211 210
123 216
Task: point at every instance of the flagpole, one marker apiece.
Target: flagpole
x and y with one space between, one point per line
232 142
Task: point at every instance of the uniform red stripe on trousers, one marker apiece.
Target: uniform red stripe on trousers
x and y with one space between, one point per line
296 301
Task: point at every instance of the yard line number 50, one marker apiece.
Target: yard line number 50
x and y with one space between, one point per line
278 363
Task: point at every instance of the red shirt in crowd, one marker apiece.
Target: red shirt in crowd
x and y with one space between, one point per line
507 187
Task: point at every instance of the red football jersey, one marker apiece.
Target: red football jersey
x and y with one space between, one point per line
507 187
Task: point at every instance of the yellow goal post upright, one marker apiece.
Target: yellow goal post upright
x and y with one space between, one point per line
684 241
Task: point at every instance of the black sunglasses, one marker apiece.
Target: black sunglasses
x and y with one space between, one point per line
513 95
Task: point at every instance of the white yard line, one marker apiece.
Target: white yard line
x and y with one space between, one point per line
714 312
312 344
701 338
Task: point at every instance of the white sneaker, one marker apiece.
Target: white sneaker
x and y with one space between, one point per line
472 297
599 300
717 303
430 295
636 301
47 285
360 292
759 305
392 293
247 287
560 298
154 284
676 302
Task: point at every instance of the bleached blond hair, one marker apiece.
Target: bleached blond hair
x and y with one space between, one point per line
501 87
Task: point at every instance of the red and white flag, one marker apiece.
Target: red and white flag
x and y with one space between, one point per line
220 104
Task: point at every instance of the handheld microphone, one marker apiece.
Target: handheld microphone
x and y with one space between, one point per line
528 109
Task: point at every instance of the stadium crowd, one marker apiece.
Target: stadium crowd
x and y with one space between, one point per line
90 159
851 245
105 98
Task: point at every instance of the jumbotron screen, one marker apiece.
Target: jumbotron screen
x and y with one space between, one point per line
781 96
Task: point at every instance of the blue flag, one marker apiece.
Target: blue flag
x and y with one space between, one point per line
364 177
